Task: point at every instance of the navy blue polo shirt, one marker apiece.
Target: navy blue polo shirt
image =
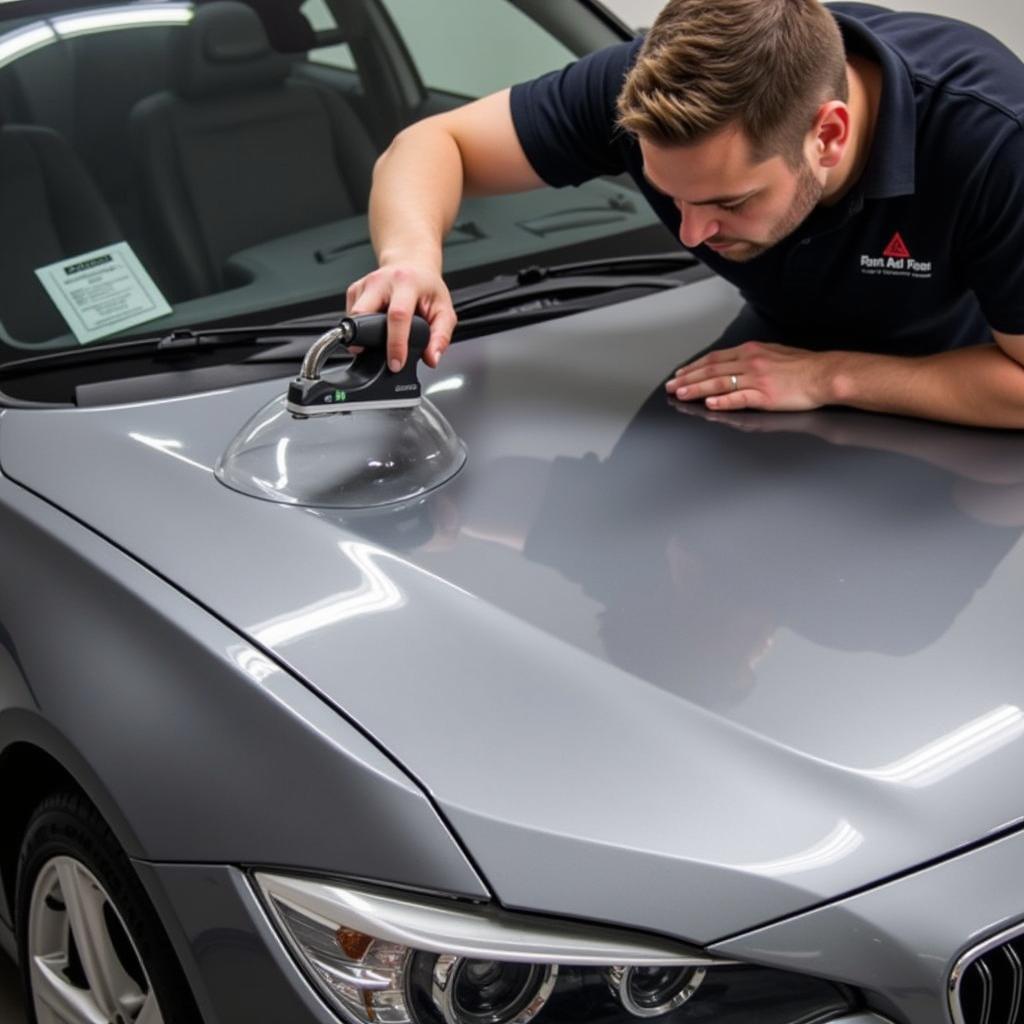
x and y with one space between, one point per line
924 253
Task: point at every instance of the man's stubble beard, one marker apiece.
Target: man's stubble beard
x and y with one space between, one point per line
808 194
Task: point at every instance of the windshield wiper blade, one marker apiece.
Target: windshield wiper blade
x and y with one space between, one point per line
186 339
615 270
176 342
639 263
502 316
535 294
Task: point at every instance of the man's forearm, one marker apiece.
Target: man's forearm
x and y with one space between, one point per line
977 386
417 188
418 184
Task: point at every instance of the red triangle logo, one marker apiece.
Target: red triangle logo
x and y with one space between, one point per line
897 248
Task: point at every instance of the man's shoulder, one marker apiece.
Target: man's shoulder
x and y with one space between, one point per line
887 21
596 77
952 59
566 119
615 61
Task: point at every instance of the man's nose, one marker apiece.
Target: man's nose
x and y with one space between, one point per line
696 225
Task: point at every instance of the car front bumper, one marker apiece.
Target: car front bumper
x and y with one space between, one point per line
897 942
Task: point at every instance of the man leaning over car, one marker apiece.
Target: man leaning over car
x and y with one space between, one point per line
858 173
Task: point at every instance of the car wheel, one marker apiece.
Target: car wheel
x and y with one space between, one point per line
91 947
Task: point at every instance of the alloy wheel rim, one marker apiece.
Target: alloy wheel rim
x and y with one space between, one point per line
84 966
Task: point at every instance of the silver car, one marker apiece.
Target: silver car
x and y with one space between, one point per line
508 691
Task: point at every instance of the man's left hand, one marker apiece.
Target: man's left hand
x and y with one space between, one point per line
757 375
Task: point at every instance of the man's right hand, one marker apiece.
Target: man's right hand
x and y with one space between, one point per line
404 289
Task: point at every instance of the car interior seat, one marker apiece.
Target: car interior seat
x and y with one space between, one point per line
50 209
236 153
84 88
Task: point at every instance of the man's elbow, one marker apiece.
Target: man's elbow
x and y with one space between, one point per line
393 146
427 143
1011 345
1011 349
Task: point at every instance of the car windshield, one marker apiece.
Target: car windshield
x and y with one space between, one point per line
169 165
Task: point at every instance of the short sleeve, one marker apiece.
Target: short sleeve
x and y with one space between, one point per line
565 120
994 246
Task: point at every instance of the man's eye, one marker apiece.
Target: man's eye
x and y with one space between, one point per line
733 207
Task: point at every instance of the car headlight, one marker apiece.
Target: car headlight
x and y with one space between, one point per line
391 959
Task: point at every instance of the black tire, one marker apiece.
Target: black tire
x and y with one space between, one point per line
66 825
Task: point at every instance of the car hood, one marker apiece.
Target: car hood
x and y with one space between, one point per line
656 668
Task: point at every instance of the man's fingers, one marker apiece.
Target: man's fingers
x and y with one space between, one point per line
400 313
365 297
720 355
352 294
401 291
748 398
698 372
704 381
441 328
707 388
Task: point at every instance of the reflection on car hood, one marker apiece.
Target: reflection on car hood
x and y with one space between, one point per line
682 674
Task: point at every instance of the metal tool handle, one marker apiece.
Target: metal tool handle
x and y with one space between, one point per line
319 351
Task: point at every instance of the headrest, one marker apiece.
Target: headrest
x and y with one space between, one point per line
225 50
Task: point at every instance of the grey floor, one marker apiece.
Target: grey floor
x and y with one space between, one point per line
11 1006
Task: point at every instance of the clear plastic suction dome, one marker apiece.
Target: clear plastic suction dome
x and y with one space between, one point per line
360 439
359 459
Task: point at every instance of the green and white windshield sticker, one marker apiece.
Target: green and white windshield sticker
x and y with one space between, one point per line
102 292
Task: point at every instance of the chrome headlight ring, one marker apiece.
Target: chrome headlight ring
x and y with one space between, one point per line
500 999
672 986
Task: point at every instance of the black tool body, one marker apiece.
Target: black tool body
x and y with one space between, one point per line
366 383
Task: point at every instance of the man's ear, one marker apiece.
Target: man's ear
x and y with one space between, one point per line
831 133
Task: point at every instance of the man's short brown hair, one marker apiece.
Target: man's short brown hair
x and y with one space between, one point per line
766 65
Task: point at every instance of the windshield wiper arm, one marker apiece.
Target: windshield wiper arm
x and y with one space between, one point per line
176 342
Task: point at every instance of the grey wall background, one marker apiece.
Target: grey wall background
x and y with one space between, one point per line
1003 18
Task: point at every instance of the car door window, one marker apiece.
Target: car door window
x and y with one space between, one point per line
321 20
474 47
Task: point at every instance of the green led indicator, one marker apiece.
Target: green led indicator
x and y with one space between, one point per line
340 396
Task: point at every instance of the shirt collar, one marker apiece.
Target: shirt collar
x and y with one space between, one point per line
891 166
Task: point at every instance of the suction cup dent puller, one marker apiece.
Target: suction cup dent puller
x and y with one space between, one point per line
397 446
366 383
